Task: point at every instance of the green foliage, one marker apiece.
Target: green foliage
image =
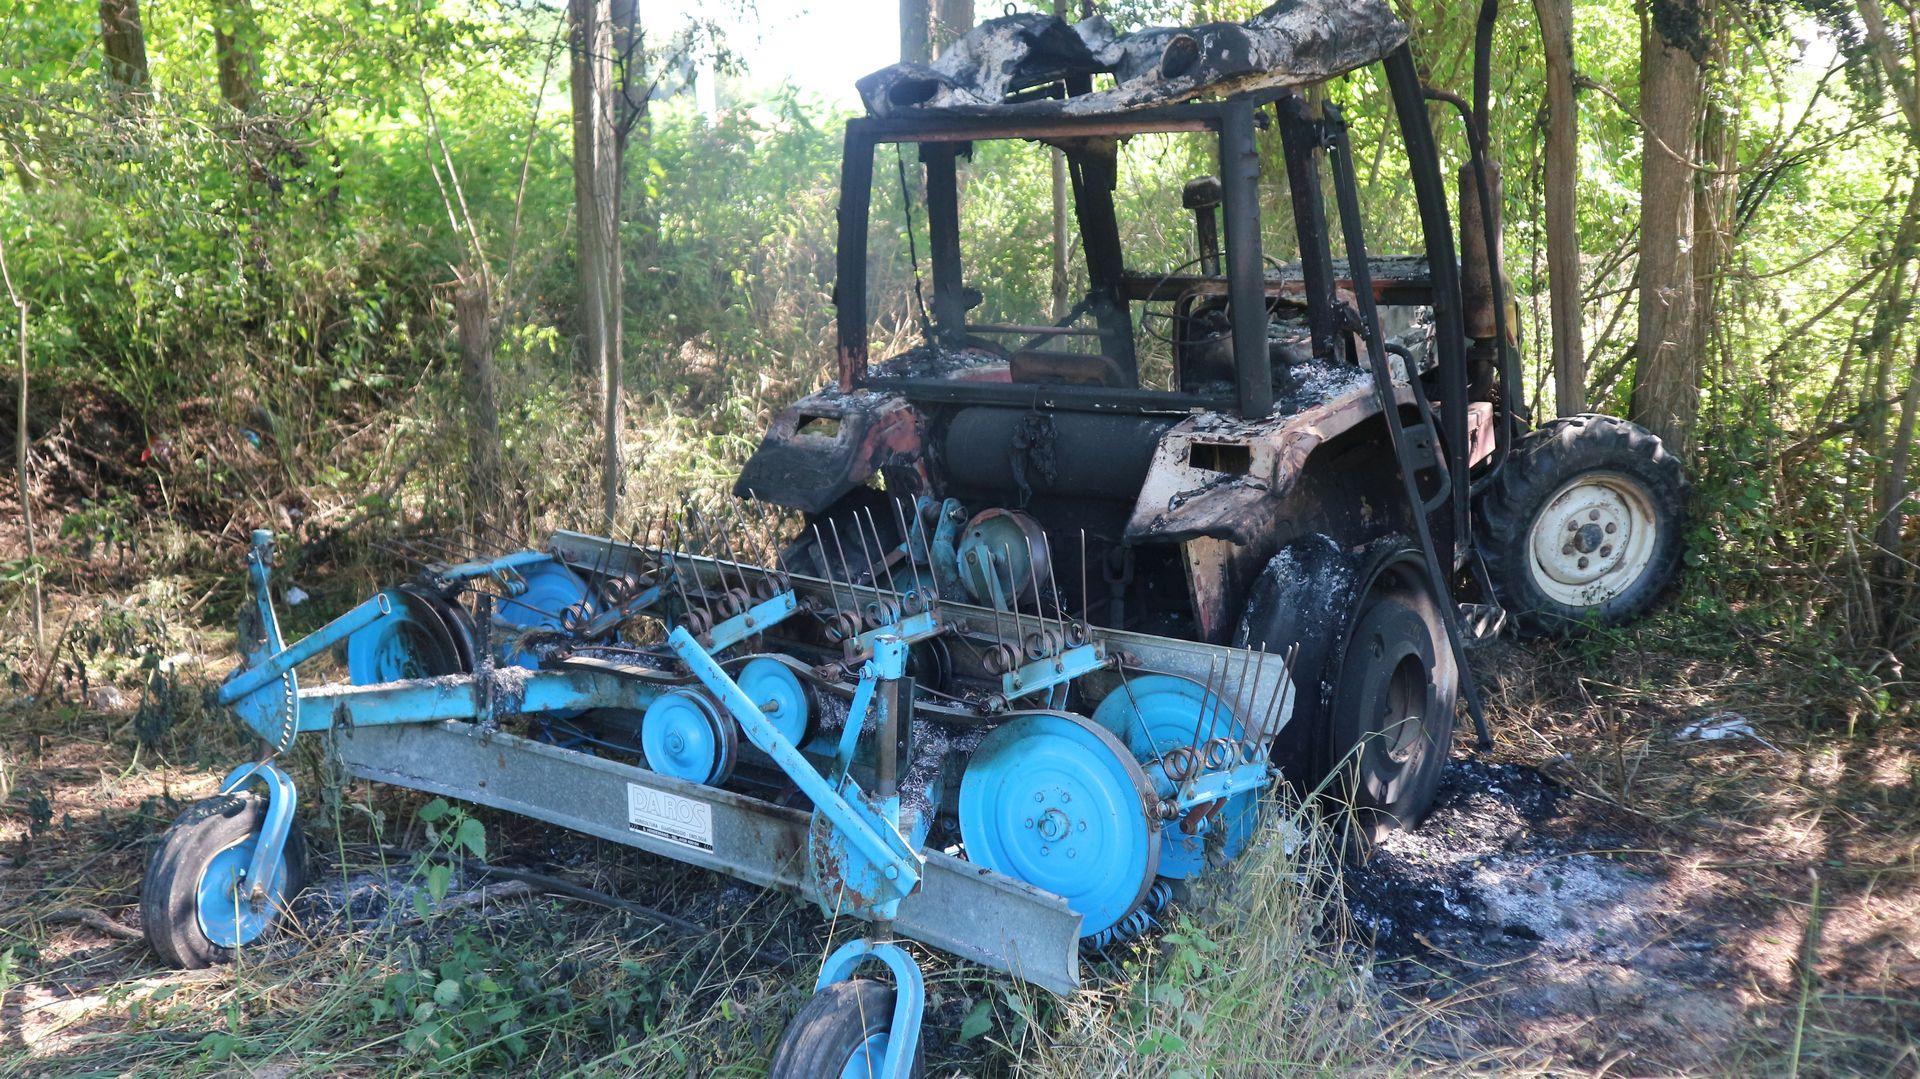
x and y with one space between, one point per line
267 294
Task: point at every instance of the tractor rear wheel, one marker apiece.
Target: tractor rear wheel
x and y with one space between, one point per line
1390 724
1375 681
1584 526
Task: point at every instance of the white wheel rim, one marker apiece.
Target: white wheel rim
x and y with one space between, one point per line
1593 540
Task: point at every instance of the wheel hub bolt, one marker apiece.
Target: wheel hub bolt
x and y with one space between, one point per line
1054 825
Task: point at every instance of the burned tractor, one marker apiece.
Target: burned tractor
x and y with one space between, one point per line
1332 448
1064 596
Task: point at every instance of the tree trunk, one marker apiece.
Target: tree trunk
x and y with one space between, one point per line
236 53
1058 290
951 18
21 459
472 314
630 115
124 41
1713 196
595 171
1666 383
916 40
1894 482
1563 226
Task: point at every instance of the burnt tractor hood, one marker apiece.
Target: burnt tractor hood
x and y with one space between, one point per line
991 68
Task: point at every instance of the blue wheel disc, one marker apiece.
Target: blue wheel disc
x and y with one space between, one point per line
773 686
226 916
867 1061
1054 800
551 590
684 737
1159 712
410 641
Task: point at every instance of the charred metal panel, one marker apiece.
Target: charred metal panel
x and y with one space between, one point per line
1186 495
828 444
991 68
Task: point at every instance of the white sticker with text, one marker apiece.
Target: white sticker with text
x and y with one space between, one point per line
670 817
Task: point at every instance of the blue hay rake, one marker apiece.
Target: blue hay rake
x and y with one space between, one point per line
979 771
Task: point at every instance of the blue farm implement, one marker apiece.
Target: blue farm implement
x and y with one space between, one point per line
996 779
1259 484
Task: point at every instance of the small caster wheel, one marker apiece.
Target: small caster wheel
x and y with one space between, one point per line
842 1031
191 905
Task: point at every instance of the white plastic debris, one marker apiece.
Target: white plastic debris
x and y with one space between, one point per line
1721 726
296 596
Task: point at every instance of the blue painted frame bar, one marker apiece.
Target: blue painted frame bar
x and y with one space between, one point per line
877 839
467 571
756 619
466 697
1216 785
251 679
1044 674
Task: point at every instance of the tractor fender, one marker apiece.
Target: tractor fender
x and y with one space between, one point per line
1219 476
1308 595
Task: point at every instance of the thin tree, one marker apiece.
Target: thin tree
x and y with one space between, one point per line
473 319
916 31
951 18
473 324
1058 290
1666 383
124 41
22 457
1563 226
236 43
596 208
1895 486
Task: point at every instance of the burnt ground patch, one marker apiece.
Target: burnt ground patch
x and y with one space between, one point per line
1519 912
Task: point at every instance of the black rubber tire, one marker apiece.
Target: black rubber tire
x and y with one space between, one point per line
1392 709
1543 462
831 1026
169 893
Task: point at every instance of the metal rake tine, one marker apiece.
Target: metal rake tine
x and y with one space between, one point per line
1013 603
1282 691
719 563
906 538
1139 717
769 517
1033 578
1206 700
826 567
606 553
860 533
1053 579
679 579
833 525
726 538
751 507
926 548
1239 690
878 545
1086 596
750 539
502 540
1252 693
